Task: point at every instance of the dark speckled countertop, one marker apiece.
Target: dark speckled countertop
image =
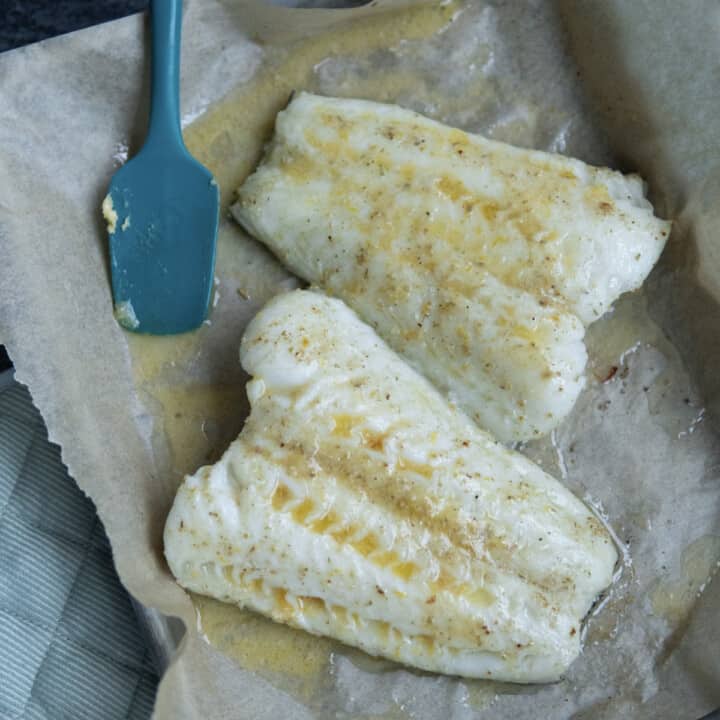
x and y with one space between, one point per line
26 21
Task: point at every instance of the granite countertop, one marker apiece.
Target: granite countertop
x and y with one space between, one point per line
23 22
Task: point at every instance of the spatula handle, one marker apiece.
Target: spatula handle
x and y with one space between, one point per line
166 24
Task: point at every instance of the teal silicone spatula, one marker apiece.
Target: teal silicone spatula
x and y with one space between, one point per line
162 208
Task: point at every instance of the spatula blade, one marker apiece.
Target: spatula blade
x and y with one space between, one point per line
162 215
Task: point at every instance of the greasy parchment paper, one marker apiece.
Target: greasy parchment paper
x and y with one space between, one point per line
631 84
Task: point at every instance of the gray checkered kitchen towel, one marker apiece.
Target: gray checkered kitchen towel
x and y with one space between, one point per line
70 646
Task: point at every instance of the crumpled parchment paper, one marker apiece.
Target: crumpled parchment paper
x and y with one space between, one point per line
632 85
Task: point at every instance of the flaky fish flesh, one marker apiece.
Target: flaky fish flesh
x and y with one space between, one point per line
479 262
359 504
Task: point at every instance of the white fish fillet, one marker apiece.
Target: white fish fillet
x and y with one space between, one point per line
479 262
357 503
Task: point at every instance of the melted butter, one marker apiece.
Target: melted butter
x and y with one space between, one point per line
340 613
375 441
383 630
344 425
344 534
322 524
618 332
261 645
311 604
367 544
422 469
481 694
110 214
302 510
451 188
237 127
427 643
283 607
152 356
674 599
199 421
385 558
405 570
281 497
482 597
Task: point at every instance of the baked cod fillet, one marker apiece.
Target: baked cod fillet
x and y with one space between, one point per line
357 503
479 262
